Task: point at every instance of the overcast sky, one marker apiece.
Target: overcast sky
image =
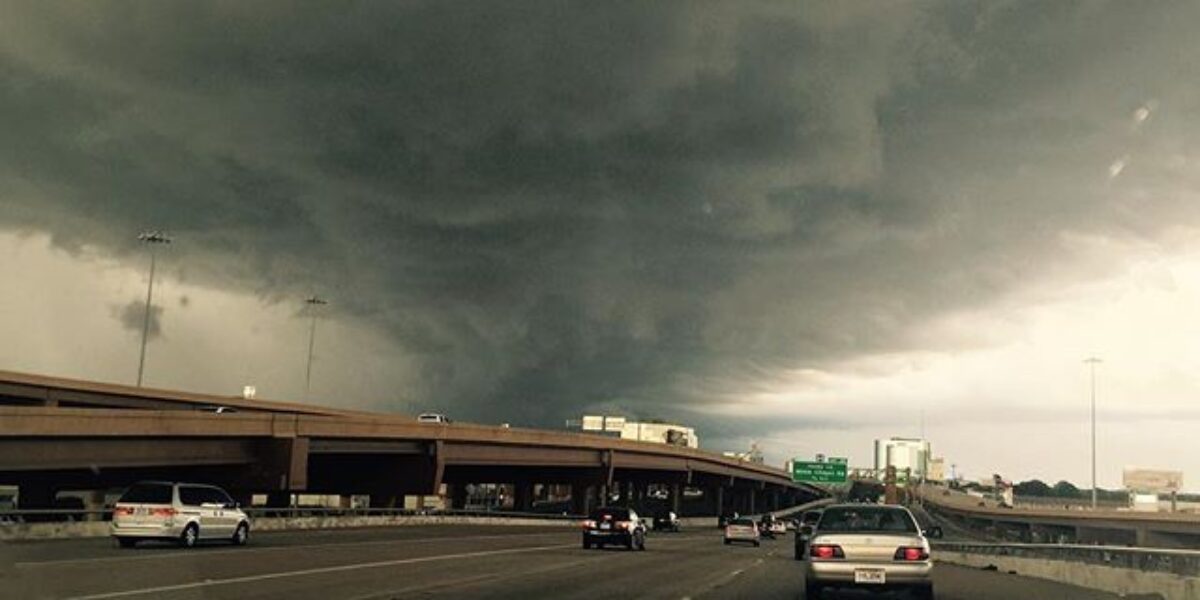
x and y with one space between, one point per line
805 224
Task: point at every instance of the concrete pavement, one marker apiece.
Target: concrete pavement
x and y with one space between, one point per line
447 562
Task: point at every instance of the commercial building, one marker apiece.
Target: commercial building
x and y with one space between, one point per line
643 431
910 454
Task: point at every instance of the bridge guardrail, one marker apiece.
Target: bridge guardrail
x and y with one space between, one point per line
1150 572
1178 562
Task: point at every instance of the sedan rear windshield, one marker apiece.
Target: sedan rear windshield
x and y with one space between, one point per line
742 522
866 519
147 493
614 514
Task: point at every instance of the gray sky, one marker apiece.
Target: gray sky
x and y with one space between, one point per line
797 223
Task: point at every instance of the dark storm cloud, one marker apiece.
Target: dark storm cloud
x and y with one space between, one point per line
558 206
132 317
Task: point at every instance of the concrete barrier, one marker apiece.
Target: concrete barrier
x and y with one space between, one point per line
1140 572
271 519
10 532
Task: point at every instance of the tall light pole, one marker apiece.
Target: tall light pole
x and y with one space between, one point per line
151 239
313 302
1092 362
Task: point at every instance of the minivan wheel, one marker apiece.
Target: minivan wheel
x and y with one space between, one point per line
190 535
126 542
241 535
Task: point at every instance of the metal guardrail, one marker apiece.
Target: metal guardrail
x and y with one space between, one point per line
1178 562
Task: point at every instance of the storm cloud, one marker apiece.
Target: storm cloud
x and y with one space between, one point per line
654 208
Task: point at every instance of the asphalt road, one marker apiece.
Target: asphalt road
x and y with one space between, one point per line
449 562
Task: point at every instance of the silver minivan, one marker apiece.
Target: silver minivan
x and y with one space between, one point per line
185 513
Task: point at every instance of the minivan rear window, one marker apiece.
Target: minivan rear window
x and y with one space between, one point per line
147 493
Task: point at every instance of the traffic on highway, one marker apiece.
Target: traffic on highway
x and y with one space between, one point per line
807 300
453 561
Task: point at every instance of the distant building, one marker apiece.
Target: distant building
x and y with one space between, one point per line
936 471
903 453
656 432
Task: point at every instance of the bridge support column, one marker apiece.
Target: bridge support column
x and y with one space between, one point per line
581 499
523 497
750 494
774 496
676 499
624 490
457 494
94 502
716 495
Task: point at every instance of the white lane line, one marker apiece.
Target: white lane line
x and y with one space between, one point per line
318 571
127 556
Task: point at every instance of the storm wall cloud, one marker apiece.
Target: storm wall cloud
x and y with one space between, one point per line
553 207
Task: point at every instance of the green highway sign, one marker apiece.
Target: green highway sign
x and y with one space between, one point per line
818 472
837 461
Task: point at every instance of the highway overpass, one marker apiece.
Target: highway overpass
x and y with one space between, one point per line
1062 525
59 434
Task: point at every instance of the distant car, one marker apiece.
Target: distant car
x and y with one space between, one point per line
779 528
804 531
666 521
433 418
185 513
741 529
768 526
614 526
868 547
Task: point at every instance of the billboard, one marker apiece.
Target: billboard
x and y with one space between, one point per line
1152 481
593 423
614 424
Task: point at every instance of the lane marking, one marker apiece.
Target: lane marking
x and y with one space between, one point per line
200 553
318 571
438 586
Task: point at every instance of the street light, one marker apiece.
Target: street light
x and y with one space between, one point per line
313 302
1092 362
150 239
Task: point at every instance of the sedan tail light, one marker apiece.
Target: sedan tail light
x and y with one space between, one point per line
588 524
123 511
911 553
826 551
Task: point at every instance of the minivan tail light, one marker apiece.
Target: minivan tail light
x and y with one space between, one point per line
826 551
163 512
911 553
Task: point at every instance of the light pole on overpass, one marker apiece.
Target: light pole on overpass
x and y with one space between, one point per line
313 303
150 239
1092 362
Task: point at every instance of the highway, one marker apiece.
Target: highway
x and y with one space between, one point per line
448 562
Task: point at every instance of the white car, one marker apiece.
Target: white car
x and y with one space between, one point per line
872 547
433 418
741 529
185 513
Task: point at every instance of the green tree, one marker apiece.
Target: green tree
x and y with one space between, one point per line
1066 489
1036 488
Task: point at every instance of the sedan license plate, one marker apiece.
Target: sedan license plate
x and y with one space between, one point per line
605 526
869 576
